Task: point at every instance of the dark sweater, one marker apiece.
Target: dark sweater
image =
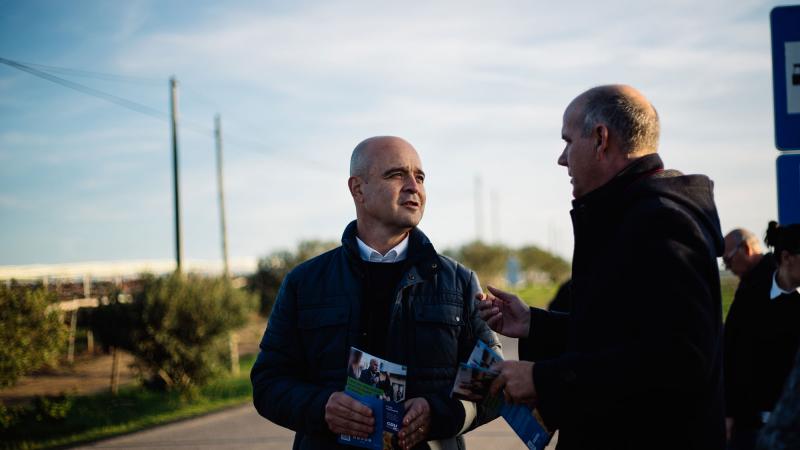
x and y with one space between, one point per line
761 339
380 284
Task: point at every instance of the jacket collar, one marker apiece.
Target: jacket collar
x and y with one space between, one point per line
422 255
633 172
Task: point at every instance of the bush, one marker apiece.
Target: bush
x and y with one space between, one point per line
177 327
487 260
490 261
273 268
31 336
532 258
52 407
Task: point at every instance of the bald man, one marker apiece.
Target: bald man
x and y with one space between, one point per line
743 252
637 363
386 291
751 381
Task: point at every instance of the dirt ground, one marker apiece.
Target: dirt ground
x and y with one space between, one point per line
92 373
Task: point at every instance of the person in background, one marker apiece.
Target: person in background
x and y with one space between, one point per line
762 330
745 258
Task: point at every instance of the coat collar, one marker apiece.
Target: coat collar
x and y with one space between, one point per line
422 256
640 168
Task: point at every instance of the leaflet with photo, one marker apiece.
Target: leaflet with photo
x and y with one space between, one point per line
381 385
472 384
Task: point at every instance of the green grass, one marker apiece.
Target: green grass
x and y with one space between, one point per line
538 295
99 416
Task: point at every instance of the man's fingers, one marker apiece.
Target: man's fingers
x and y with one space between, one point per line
341 426
489 314
347 405
503 295
497 384
346 415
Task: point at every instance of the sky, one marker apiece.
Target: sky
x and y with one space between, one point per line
479 89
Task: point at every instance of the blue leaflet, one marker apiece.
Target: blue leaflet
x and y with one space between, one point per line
375 440
472 384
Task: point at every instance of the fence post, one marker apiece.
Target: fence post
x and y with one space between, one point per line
73 324
87 293
234 343
114 370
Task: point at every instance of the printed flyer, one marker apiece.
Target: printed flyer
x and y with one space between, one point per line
381 385
472 383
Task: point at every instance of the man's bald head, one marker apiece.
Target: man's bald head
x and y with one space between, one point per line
631 119
364 152
743 251
739 236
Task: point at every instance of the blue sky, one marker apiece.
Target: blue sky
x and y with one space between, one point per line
478 87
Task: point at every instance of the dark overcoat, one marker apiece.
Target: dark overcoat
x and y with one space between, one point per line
637 364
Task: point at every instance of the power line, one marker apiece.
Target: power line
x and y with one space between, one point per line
152 112
119 101
95 75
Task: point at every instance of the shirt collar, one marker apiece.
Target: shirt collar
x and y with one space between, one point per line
396 254
776 290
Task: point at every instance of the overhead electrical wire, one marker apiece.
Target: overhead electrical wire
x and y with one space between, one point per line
95 75
119 101
245 143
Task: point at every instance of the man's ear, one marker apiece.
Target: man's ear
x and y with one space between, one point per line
354 184
600 135
784 256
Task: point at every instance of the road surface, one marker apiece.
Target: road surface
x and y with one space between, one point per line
242 428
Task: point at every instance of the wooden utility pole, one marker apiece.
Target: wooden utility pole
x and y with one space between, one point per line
478 208
173 85
233 338
223 229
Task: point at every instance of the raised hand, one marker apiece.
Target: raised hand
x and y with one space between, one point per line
505 313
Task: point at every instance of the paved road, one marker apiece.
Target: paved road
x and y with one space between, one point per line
243 428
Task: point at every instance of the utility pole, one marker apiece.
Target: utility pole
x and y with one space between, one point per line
478 208
173 84
494 216
223 229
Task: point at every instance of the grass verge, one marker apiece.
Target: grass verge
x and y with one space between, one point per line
100 416
538 295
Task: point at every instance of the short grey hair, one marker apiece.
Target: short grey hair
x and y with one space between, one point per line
634 123
740 235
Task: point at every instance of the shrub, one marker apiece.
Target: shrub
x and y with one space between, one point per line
31 335
273 268
52 407
532 258
177 327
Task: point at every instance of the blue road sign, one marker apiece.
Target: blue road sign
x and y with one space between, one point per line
788 188
785 27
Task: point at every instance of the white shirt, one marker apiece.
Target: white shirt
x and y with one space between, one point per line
777 290
396 254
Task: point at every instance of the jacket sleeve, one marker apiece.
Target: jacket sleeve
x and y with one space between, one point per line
547 336
738 354
449 416
666 293
279 392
